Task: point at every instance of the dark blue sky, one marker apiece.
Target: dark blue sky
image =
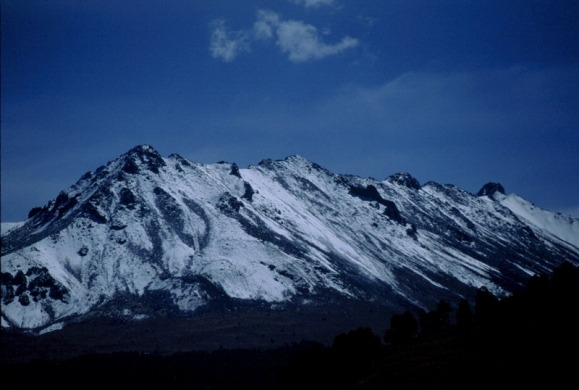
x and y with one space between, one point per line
462 92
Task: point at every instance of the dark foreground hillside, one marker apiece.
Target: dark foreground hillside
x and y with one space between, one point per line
226 328
528 339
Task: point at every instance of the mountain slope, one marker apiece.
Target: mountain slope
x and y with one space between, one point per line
147 234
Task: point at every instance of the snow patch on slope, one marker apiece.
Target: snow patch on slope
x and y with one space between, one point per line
6 227
563 227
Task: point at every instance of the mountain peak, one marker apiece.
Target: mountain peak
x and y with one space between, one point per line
143 156
296 157
490 189
294 160
404 179
178 235
142 149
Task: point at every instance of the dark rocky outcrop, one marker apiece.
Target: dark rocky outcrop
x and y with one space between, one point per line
36 284
143 156
229 204
404 179
248 194
370 193
235 170
490 189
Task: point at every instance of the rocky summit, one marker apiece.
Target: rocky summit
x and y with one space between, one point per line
151 236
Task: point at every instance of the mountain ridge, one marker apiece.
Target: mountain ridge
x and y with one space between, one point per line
283 231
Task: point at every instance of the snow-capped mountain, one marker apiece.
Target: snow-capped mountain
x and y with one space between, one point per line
145 232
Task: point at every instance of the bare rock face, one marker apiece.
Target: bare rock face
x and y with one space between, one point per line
404 179
490 189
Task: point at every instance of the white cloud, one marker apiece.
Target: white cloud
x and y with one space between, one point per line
313 3
266 21
299 40
302 43
227 44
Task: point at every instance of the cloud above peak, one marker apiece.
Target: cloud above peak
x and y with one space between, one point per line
266 22
300 41
226 44
312 3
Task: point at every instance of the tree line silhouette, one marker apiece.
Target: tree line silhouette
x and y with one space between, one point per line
523 339
527 338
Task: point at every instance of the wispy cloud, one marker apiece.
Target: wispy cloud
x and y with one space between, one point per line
514 100
312 3
226 44
300 41
265 25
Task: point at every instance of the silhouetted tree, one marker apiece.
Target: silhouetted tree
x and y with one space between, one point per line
464 316
564 280
486 307
537 286
403 329
444 309
361 342
353 353
427 321
436 320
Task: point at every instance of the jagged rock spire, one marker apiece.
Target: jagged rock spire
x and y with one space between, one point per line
490 189
404 179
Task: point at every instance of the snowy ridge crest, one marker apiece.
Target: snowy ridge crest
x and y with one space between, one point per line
171 233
